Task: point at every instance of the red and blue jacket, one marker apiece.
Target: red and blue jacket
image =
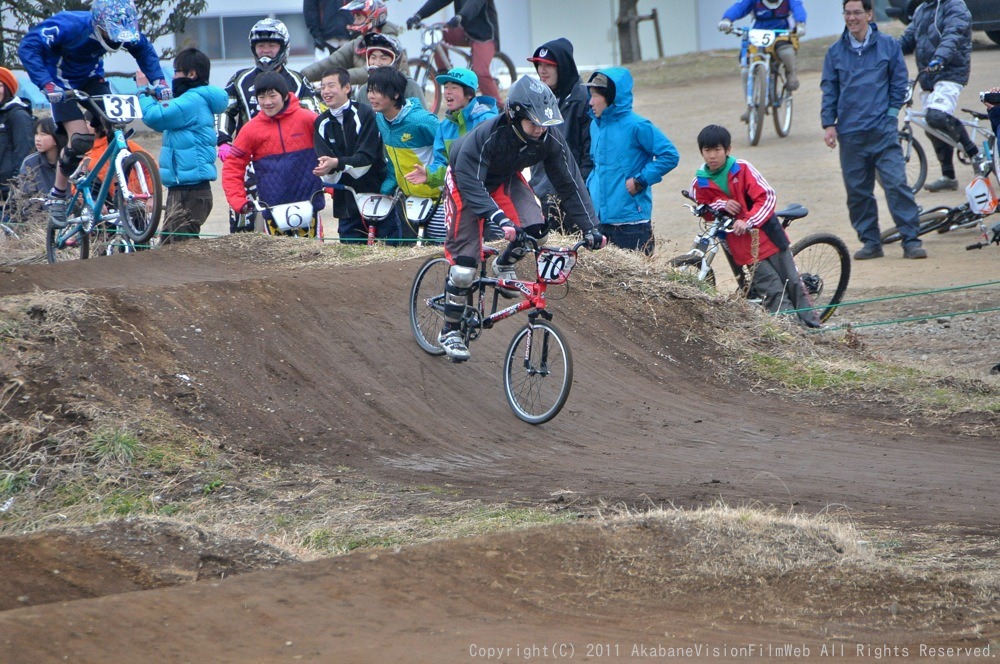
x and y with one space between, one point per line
281 149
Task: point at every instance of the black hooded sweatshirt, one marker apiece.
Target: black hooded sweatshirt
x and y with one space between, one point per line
573 98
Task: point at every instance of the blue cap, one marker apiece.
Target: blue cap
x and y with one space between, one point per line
460 75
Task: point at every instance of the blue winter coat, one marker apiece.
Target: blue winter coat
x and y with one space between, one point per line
863 91
188 125
766 18
940 31
63 50
625 145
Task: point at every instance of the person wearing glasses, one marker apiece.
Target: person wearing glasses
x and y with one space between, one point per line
864 85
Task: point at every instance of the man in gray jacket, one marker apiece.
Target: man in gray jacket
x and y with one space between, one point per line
864 85
940 35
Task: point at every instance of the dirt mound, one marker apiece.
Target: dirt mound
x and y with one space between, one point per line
283 353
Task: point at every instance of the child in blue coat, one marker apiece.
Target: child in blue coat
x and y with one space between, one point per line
187 159
630 155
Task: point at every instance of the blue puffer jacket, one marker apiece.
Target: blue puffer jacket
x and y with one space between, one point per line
863 91
940 30
63 50
625 145
188 126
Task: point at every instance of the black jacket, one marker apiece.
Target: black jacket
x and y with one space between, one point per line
325 20
492 154
940 30
479 17
573 98
357 144
17 138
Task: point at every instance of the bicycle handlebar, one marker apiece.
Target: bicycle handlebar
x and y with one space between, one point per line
89 99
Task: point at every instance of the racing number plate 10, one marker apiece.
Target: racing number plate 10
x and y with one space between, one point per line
554 265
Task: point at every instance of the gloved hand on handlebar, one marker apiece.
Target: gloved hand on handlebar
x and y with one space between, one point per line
54 93
935 65
800 29
511 231
413 21
725 25
162 90
595 239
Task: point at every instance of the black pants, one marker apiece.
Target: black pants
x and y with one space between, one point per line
187 210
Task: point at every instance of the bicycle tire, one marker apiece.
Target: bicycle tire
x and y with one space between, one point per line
503 72
823 259
56 248
691 265
930 220
426 77
426 304
915 159
782 100
537 392
960 217
106 241
140 217
758 103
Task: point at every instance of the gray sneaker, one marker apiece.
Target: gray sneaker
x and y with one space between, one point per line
914 252
56 208
453 345
942 184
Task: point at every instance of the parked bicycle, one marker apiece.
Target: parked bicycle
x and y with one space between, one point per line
434 48
981 202
538 365
767 90
916 157
822 259
97 218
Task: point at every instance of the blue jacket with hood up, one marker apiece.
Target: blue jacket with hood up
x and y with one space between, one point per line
625 145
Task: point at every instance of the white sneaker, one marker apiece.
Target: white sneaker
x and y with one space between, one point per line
507 273
453 345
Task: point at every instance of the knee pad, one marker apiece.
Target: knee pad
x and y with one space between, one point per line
943 122
461 276
74 151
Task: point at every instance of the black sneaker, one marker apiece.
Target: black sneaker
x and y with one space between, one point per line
868 251
56 207
914 252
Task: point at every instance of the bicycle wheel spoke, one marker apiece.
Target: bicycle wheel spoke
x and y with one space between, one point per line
426 304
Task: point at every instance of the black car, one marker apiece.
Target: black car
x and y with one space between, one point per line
985 14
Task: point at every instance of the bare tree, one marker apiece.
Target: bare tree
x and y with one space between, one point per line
156 18
628 31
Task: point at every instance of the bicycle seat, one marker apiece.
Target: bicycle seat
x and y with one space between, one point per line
793 211
977 114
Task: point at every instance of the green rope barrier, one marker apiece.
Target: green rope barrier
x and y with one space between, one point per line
907 320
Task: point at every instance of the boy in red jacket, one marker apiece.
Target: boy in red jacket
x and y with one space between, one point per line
279 142
757 239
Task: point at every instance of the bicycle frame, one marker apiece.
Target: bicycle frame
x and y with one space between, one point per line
553 267
91 206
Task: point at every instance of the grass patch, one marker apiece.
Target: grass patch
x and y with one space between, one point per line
111 445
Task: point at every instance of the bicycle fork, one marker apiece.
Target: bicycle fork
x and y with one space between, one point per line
542 369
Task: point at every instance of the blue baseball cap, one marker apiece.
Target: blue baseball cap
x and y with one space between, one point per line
460 75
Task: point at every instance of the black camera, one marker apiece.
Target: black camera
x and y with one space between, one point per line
989 97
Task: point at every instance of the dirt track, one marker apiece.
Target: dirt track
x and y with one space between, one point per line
316 366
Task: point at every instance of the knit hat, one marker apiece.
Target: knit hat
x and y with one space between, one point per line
8 80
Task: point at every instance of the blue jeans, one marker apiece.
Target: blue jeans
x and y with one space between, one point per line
862 155
636 237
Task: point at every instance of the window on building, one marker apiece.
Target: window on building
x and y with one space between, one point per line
227 37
